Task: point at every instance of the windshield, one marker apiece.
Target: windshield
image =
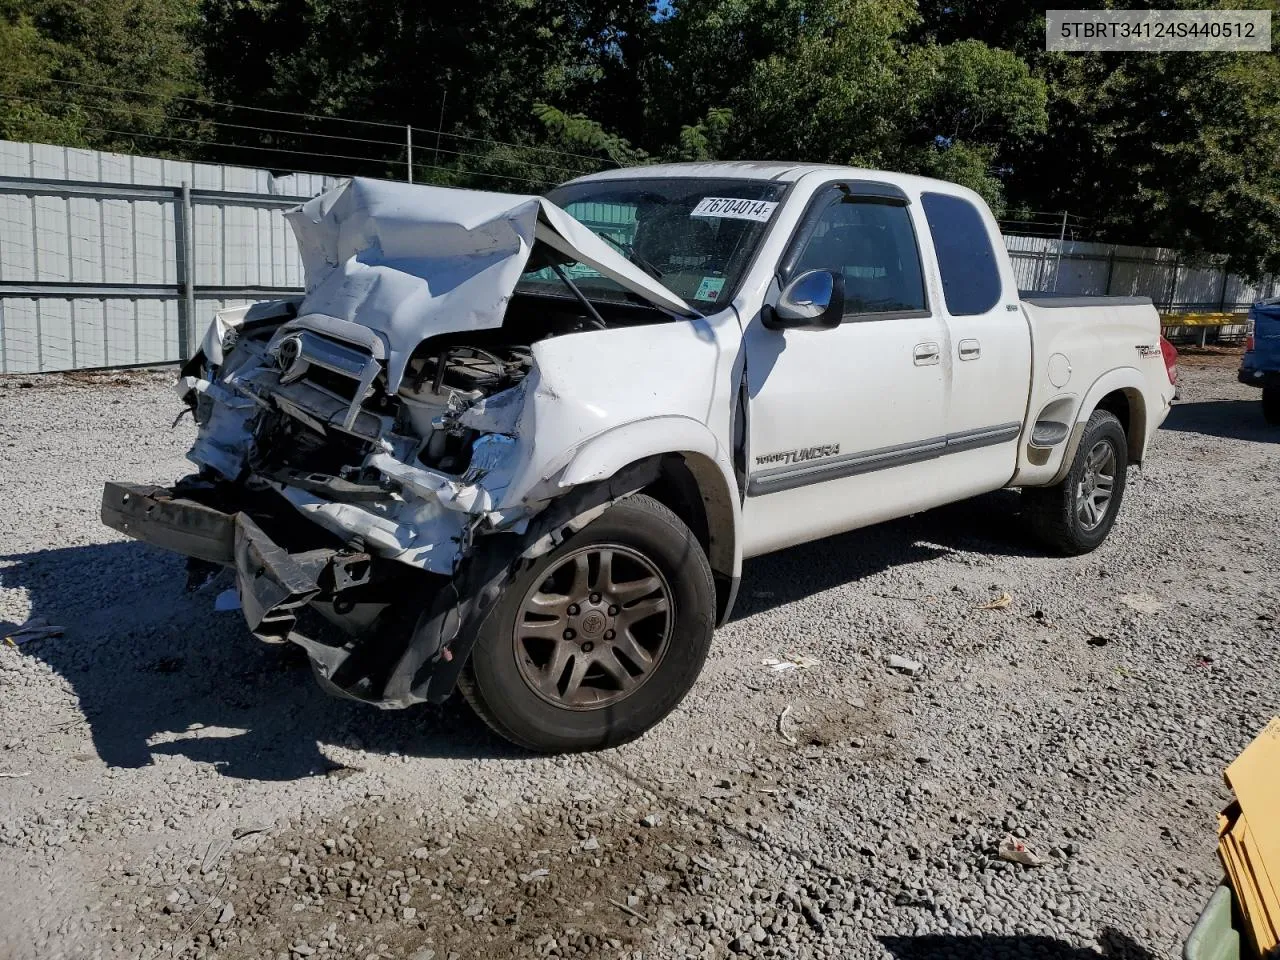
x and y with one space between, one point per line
695 236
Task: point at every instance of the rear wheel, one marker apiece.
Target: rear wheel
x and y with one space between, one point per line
1076 515
599 640
1271 405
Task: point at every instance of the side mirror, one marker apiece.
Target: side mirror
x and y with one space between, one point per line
814 300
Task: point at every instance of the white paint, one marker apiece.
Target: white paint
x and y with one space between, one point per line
422 533
1059 370
406 262
1101 342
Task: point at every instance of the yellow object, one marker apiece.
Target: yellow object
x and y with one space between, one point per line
1202 319
1249 837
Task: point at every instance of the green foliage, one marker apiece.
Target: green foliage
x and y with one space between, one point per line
577 133
475 69
843 84
1179 149
1176 149
833 94
95 47
967 91
705 139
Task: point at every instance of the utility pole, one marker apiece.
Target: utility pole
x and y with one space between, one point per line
440 125
1062 238
408 145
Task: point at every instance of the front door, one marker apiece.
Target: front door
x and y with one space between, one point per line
844 422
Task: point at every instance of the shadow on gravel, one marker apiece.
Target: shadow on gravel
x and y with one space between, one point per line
1232 419
157 671
1115 946
990 525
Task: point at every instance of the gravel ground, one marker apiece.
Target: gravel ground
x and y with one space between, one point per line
169 787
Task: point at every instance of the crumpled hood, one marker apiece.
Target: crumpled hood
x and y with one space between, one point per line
410 262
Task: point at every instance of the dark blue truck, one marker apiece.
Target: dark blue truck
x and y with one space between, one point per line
1261 364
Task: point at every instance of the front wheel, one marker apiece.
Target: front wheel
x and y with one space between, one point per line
600 639
1271 405
1076 515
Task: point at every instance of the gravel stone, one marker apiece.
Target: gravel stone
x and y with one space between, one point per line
903 665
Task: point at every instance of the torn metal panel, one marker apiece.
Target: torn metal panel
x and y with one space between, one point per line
272 583
500 413
411 261
221 335
420 532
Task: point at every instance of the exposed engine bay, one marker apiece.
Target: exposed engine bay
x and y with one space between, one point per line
349 460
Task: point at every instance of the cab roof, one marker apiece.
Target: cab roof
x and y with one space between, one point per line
781 171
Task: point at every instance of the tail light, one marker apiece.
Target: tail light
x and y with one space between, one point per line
1170 360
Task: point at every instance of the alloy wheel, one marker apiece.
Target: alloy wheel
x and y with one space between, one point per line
1096 484
593 630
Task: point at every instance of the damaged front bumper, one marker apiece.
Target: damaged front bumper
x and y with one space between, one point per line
398 636
272 583
157 516
342 509
367 646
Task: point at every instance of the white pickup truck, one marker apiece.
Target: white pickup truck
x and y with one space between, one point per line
523 445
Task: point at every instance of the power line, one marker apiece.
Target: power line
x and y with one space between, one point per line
119 108
522 146
236 146
331 156
276 130
223 103
317 116
1054 215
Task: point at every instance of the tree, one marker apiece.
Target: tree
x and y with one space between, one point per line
839 81
68 61
475 69
1173 149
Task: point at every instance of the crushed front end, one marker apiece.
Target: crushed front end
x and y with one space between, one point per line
323 489
367 451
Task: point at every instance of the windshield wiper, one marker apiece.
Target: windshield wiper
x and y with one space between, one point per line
630 253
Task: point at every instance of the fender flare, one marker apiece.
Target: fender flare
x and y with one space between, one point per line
605 454
1131 380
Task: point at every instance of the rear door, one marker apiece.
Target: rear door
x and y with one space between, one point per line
989 340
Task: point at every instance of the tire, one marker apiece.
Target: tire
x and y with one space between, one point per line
1055 513
1271 405
512 681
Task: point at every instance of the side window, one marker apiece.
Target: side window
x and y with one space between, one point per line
874 246
970 274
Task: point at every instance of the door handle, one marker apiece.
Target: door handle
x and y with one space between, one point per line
970 349
926 353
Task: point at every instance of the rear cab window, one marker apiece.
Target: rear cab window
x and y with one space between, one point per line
966 260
